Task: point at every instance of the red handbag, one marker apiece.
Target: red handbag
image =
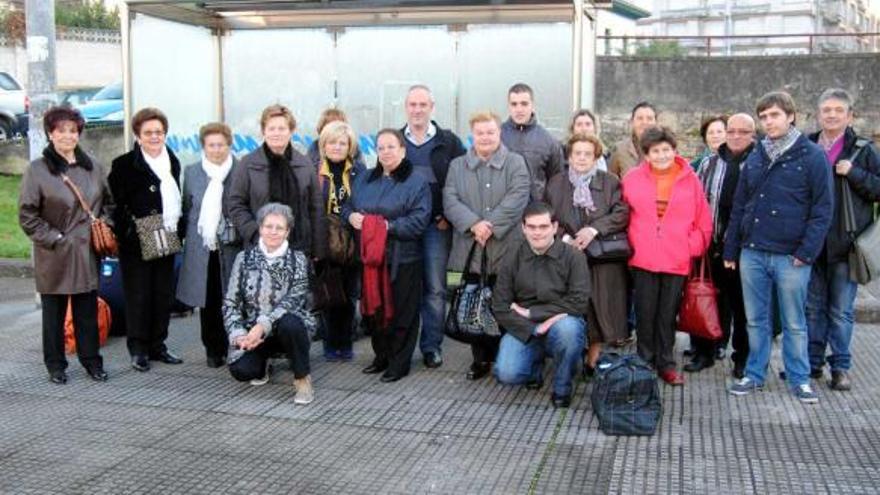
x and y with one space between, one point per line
698 314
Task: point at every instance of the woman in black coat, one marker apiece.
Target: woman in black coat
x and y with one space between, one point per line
147 182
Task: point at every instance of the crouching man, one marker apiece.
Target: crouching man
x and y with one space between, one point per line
540 297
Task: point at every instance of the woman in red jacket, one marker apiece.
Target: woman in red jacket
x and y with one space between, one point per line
669 225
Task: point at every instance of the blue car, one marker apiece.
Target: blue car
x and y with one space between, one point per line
105 107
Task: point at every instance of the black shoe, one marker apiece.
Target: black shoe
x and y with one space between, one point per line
560 401
478 370
215 361
374 368
840 381
534 384
432 359
140 362
739 370
719 352
699 363
59 377
390 377
816 373
166 357
588 372
98 374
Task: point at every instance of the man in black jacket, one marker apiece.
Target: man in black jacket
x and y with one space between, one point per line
831 290
430 149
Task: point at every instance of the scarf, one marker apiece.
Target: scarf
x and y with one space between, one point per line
581 183
212 202
278 253
58 164
283 186
833 148
334 203
376 299
777 147
161 166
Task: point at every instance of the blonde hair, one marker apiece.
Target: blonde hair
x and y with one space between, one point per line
335 130
484 116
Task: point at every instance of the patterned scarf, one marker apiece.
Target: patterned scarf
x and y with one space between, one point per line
777 147
581 183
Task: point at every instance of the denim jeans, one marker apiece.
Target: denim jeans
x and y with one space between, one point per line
435 252
830 315
519 363
764 273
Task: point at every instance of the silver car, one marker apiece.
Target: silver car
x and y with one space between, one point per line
14 106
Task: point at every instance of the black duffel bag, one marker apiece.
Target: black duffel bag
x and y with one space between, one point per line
625 395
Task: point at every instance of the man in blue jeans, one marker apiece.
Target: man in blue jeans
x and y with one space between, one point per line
781 214
832 292
430 149
540 295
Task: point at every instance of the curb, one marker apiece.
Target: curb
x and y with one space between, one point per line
16 268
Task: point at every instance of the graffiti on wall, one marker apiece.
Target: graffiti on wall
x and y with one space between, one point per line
242 144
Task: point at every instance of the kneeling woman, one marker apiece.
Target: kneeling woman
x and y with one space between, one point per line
266 309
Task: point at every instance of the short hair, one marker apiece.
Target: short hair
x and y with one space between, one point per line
423 87
336 130
394 132
657 135
642 104
780 99
277 110
275 209
215 128
484 116
54 116
145 115
580 113
330 115
521 88
536 208
598 149
837 94
704 125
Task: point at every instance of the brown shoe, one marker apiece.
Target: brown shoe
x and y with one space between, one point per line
840 381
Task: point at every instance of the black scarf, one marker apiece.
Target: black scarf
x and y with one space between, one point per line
283 186
58 164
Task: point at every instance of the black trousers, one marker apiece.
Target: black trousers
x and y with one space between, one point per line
485 350
731 313
394 345
211 316
339 322
290 337
657 297
85 325
148 287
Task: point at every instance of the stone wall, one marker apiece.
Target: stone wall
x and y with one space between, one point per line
103 143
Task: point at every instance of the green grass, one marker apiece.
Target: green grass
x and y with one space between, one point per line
13 242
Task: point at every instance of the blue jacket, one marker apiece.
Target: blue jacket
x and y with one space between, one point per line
404 199
783 207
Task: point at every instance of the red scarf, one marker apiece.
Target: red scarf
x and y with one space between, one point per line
376 297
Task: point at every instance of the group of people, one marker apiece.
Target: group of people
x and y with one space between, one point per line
576 244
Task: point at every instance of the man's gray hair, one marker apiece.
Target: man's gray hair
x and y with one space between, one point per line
837 94
423 87
275 209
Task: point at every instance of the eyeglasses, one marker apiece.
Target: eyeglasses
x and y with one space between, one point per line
153 133
274 228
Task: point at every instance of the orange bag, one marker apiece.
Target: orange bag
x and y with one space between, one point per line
104 320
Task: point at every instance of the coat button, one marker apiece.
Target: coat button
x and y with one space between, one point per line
488 186
761 195
752 244
152 188
756 220
773 212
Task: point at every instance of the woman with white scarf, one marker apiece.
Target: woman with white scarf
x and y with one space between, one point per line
211 242
147 182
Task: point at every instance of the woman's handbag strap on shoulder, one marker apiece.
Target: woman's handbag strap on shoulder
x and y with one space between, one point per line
79 196
101 236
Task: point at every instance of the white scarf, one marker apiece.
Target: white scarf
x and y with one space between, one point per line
281 251
161 166
212 201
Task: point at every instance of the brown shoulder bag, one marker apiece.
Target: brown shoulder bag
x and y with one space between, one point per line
103 241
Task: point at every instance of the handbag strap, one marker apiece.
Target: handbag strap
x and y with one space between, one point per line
849 210
79 196
467 266
484 276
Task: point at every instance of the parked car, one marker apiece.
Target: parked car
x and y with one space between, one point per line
14 106
105 107
76 97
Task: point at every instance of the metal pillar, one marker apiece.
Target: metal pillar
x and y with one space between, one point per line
125 31
40 26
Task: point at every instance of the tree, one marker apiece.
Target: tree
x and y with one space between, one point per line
660 48
87 14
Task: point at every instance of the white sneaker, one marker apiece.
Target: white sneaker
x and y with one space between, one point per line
305 393
265 379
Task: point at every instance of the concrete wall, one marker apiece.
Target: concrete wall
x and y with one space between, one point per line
84 58
686 90
104 143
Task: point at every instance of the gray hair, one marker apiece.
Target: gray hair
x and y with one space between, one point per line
275 209
423 87
837 94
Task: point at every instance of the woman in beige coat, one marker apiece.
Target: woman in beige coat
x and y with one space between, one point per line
65 266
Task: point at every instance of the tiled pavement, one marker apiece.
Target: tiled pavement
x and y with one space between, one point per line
190 429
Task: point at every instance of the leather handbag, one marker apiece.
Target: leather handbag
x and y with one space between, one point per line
864 254
227 233
340 241
609 248
155 240
328 290
470 318
698 314
101 236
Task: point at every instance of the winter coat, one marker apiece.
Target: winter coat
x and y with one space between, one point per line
497 191
610 216
192 283
666 245
864 182
52 217
542 152
447 148
625 157
249 191
783 207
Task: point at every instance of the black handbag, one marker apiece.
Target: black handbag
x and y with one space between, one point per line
609 248
470 318
328 290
